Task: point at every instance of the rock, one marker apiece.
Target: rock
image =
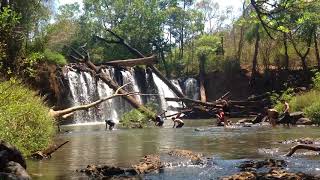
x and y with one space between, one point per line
148 164
253 165
12 163
16 169
10 153
304 121
195 158
306 140
241 176
272 174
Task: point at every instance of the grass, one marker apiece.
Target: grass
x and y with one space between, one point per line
24 119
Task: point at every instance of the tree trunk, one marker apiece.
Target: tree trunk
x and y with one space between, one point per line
104 77
316 48
133 62
285 43
202 59
255 57
140 55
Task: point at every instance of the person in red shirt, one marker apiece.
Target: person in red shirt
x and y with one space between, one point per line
222 121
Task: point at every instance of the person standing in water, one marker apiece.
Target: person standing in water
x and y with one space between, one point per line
111 124
222 121
177 121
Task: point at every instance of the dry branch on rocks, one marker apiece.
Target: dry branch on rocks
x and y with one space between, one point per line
302 146
45 154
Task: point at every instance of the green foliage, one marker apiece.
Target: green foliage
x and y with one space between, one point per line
24 118
313 112
299 102
287 96
316 81
133 118
54 57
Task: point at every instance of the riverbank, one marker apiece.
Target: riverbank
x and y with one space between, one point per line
227 147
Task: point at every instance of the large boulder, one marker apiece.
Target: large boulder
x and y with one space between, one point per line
12 163
304 121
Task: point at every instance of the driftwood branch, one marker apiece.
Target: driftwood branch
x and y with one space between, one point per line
47 152
69 111
302 146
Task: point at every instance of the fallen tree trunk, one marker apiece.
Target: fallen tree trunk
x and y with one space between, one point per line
133 62
302 146
113 85
140 55
191 101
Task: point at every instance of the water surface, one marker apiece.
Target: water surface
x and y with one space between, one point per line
123 147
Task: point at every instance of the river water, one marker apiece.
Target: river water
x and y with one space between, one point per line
123 147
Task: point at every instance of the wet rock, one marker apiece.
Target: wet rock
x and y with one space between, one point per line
101 171
12 163
195 158
304 121
146 165
254 165
301 141
272 174
17 170
10 153
242 176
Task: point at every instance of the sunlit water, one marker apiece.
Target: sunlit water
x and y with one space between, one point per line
124 147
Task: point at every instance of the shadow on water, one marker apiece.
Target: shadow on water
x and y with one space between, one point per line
123 147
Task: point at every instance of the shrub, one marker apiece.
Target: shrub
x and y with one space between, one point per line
313 112
133 118
54 57
24 119
298 103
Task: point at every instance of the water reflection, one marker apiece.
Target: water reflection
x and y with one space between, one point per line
95 145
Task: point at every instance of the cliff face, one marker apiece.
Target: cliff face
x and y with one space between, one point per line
51 84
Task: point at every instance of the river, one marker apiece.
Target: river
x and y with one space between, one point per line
92 144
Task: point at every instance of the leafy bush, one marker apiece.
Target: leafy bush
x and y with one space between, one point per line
313 112
298 103
24 119
316 81
134 118
54 57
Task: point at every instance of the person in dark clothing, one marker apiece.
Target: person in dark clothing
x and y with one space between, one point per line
159 121
111 124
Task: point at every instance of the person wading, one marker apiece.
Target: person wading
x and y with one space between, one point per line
177 123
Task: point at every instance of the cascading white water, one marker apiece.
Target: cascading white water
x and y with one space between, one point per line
128 77
164 91
191 88
84 90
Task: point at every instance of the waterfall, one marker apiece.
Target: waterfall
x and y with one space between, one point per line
164 91
85 88
191 88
